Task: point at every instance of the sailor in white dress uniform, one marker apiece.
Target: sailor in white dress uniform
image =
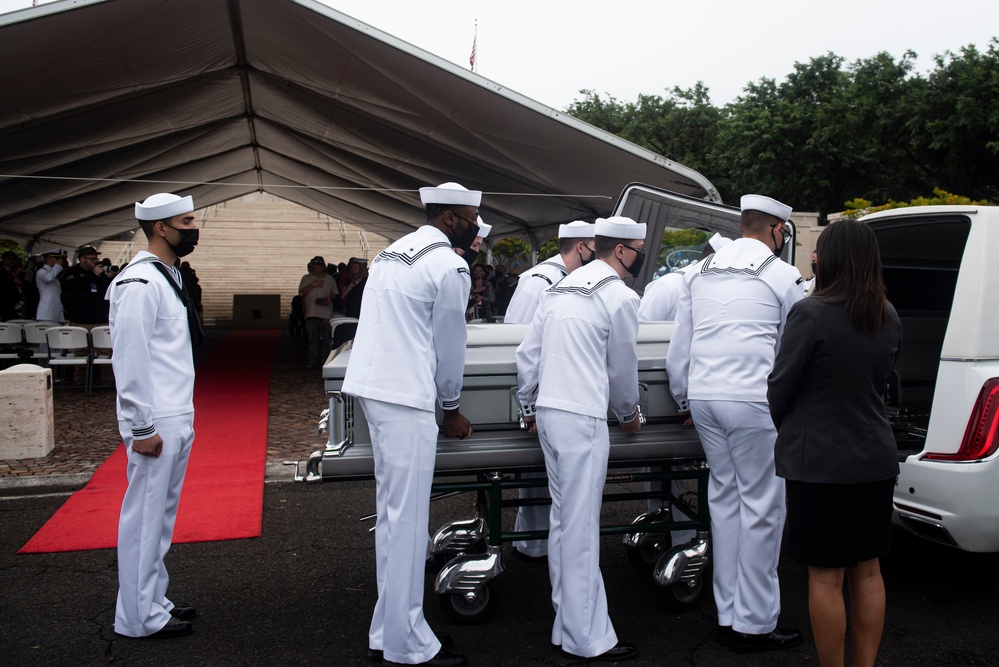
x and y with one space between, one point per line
408 354
154 375
575 241
49 288
578 360
659 304
729 322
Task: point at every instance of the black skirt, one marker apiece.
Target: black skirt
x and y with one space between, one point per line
839 525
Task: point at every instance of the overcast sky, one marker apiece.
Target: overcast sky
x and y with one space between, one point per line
549 50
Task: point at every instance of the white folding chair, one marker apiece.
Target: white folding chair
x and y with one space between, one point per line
11 341
21 322
35 342
69 346
100 337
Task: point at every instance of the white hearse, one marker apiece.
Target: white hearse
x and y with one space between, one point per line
944 394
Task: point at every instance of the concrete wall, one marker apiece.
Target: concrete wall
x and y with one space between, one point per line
260 244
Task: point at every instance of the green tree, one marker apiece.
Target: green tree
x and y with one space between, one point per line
15 247
681 125
549 249
856 208
513 253
956 121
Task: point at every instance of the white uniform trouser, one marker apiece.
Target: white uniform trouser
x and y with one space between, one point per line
532 517
677 488
576 449
747 505
145 527
404 445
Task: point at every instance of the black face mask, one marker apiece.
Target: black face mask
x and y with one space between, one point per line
470 256
783 242
584 262
815 270
188 240
636 266
465 240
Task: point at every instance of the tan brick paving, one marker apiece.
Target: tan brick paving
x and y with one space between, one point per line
86 431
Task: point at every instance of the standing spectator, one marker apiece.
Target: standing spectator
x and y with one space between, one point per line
835 445
317 289
29 287
351 295
342 275
84 288
500 286
728 328
506 285
192 285
151 330
49 287
10 287
482 296
579 357
409 355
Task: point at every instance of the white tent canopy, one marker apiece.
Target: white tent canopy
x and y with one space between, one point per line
108 101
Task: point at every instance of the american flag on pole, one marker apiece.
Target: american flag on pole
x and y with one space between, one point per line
471 58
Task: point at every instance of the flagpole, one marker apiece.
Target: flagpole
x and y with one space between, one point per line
472 59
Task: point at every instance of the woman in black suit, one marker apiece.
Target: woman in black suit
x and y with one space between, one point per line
835 445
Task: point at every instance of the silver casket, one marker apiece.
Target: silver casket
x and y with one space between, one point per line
488 401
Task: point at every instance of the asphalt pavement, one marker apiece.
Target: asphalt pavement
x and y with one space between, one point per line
302 594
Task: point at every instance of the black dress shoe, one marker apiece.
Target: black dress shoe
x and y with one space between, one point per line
619 653
779 639
445 638
724 634
174 628
444 658
184 613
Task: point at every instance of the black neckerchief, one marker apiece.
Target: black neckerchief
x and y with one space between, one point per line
193 317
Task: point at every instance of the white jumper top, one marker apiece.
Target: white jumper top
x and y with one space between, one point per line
579 354
151 342
532 283
729 321
411 336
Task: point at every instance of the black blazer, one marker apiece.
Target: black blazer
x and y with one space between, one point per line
826 395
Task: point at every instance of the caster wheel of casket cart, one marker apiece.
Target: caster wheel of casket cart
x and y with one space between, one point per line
685 596
463 586
468 607
645 549
649 549
684 574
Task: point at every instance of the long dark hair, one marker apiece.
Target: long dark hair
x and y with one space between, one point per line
849 267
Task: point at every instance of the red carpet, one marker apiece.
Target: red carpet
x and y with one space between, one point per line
224 487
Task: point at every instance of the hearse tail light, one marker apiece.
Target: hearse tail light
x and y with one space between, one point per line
980 439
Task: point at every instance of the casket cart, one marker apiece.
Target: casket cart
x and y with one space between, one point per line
494 459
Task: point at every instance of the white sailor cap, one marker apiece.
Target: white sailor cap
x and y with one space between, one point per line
717 242
766 205
450 193
577 229
52 252
163 206
484 229
619 227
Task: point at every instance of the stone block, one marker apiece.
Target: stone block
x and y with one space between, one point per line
27 430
